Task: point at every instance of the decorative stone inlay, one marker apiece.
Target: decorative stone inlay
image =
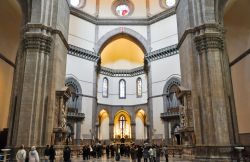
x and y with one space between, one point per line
162 53
82 53
122 73
152 56
37 41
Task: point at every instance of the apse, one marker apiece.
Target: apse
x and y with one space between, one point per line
122 52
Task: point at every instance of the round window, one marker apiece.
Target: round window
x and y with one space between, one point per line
122 10
75 3
170 3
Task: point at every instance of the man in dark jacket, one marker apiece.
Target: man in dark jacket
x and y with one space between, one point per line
52 153
46 154
66 154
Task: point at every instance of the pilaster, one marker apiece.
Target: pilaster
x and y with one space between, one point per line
42 59
205 71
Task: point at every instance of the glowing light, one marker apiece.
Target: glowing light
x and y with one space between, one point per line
170 3
75 3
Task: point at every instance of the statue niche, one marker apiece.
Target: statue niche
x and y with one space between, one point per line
186 117
60 128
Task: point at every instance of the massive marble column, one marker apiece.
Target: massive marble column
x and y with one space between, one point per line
205 71
40 71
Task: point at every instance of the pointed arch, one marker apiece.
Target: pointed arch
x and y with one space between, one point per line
138 37
74 83
174 80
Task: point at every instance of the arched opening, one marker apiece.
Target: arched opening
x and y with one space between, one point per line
237 36
122 125
10 29
122 52
141 127
103 125
74 105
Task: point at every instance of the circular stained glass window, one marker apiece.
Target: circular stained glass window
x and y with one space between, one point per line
75 3
170 3
122 10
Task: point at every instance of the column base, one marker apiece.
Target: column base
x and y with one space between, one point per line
215 154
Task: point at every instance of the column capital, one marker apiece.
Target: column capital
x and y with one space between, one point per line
209 36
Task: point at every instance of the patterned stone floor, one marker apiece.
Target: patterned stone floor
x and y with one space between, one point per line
123 159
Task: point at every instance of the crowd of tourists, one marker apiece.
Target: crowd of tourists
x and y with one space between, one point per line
135 152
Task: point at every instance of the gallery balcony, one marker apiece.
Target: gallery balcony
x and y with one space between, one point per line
73 114
170 113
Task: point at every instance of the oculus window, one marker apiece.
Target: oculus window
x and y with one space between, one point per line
122 89
170 3
166 4
77 3
122 8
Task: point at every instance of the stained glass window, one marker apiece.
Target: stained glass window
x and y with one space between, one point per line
122 124
122 89
139 87
105 87
122 10
170 3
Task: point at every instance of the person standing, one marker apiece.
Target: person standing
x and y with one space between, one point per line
52 153
21 154
33 155
66 154
107 151
139 153
133 153
46 154
145 154
165 152
151 154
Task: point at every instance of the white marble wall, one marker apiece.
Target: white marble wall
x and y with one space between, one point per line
131 97
161 71
164 33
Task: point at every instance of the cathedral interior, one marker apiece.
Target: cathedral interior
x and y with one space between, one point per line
166 72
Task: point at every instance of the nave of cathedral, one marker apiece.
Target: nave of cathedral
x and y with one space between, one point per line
157 72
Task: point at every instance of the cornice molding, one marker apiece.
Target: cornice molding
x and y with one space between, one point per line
37 41
152 56
122 73
122 21
41 27
162 53
82 53
204 28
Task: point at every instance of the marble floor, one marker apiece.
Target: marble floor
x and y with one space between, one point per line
123 159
